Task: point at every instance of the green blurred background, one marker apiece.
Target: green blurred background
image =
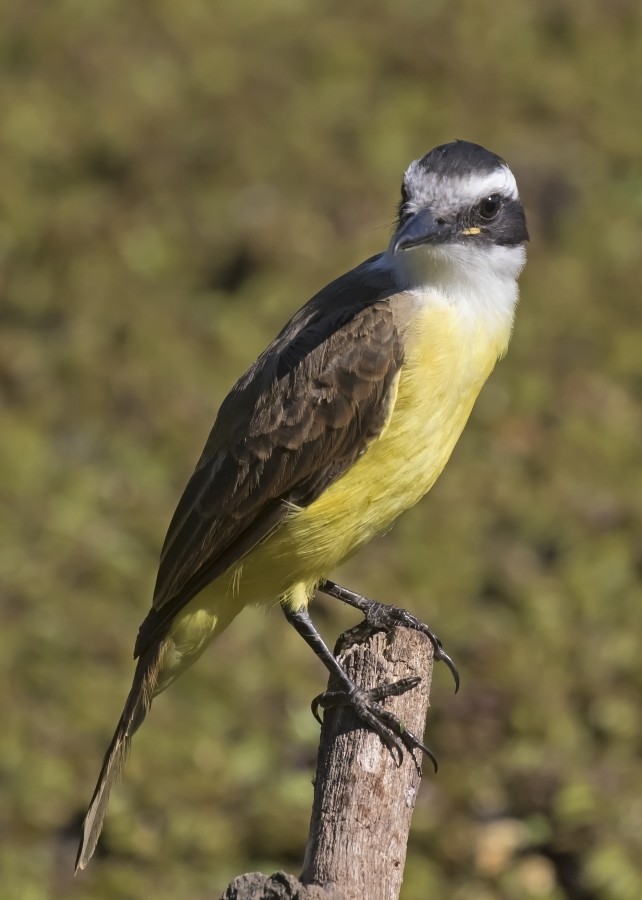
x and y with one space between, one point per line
176 179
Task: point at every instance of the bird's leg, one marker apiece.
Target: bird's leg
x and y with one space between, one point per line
365 703
381 617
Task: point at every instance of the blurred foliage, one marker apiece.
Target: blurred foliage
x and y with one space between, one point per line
177 178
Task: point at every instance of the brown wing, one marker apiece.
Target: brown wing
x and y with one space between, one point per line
297 419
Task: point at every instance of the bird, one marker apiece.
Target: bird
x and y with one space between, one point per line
343 422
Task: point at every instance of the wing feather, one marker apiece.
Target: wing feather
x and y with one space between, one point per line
297 419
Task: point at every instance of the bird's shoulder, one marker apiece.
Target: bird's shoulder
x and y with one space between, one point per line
344 327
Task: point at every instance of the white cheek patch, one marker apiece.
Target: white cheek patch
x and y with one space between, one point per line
425 189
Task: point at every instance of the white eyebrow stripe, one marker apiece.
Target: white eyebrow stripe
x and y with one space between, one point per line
454 192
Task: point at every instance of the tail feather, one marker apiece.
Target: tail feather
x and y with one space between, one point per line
136 707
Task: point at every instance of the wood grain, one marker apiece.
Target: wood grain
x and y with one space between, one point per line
363 800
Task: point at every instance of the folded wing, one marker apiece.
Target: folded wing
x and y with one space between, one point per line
293 424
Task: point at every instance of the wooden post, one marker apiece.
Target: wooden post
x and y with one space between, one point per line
363 800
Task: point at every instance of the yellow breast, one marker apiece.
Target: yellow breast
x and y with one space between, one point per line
447 360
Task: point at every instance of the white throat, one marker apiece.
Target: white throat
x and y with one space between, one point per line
480 281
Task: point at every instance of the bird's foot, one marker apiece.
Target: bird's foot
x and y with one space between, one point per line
381 617
367 706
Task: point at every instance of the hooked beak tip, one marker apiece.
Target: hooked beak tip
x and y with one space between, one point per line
419 228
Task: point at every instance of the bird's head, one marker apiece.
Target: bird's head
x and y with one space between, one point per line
460 212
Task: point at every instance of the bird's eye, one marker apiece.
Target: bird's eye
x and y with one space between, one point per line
489 207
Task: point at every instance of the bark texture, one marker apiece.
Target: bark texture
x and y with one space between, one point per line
363 800
280 886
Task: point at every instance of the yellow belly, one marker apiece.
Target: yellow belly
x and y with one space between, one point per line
447 360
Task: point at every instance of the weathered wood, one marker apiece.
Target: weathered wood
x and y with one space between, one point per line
363 801
280 886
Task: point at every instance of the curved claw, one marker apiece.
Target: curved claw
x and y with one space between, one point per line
381 615
419 745
314 706
328 700
441 656
409 740
416 744
390 729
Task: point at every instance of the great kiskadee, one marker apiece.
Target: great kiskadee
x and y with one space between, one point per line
341 424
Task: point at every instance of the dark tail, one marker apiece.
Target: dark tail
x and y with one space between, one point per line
136 706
